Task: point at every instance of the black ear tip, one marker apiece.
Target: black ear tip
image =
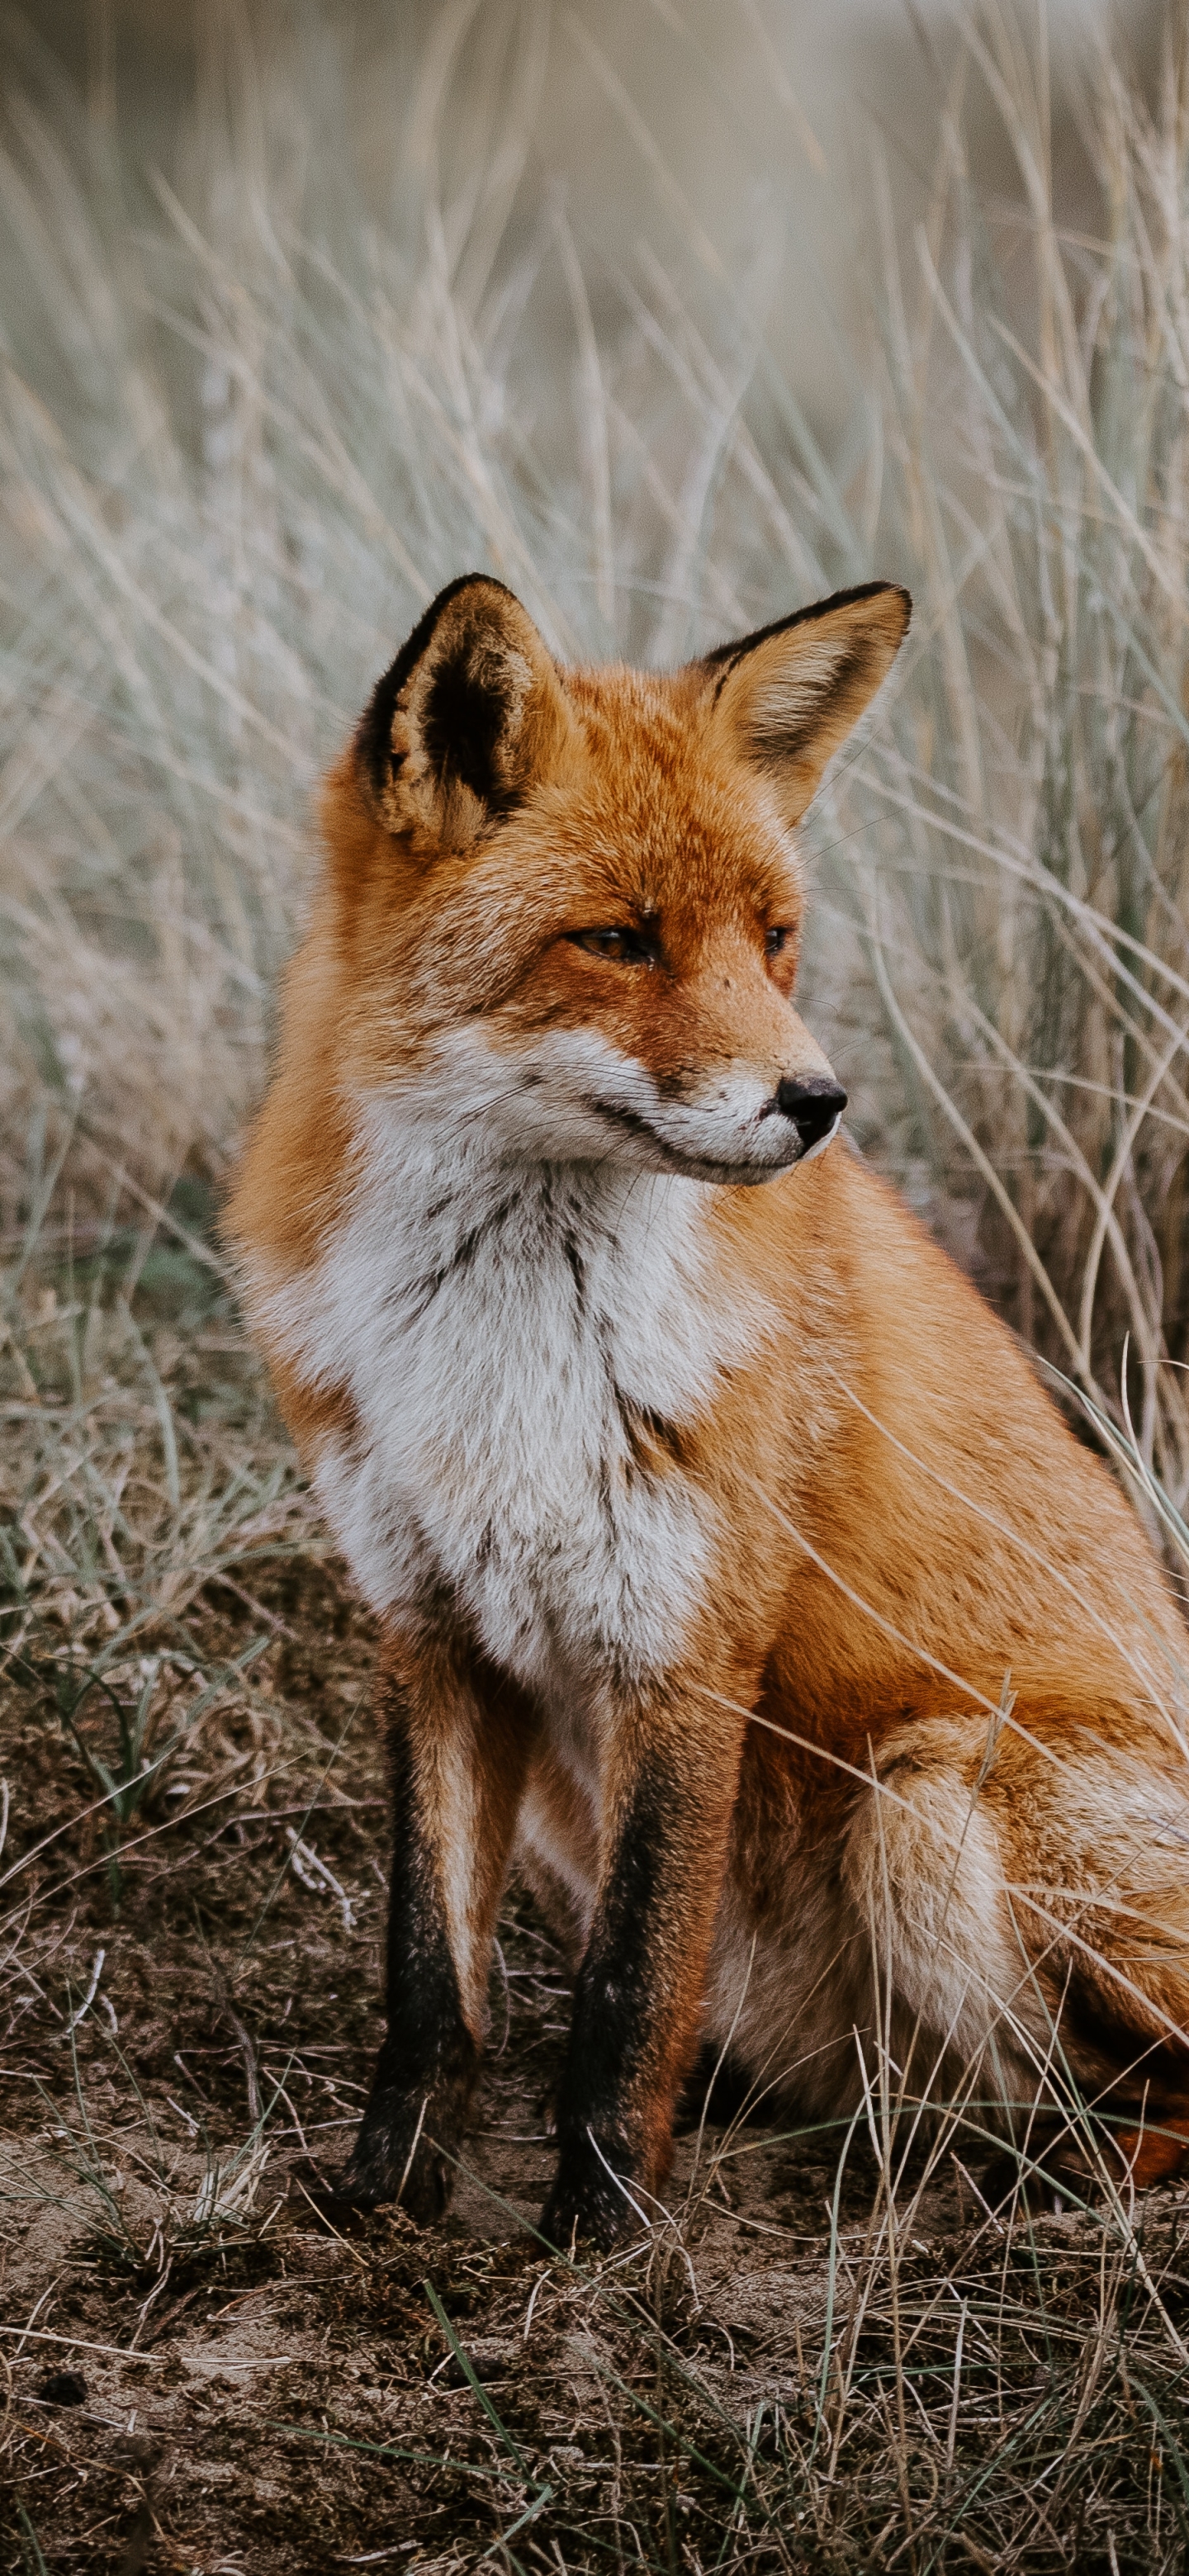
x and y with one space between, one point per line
471 702
722 657
864 590
894 591
373 735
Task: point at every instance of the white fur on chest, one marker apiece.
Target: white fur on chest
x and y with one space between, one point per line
503 1330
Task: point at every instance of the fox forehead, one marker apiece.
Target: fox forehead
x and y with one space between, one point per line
641 822
659 817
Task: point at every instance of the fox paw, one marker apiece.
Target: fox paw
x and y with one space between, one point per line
593 2200
393 2160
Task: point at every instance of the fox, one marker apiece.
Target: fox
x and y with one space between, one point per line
738 1583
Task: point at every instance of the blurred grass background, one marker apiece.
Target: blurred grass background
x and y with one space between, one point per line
674 317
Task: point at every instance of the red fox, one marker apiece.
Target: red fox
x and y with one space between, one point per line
735 1576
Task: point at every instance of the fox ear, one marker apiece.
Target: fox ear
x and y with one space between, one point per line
469 716
785 699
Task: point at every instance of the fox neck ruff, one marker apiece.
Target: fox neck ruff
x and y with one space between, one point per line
522 1346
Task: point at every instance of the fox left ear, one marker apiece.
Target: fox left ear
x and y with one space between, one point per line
469 717
785 699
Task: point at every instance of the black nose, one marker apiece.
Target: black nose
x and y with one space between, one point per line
813 1106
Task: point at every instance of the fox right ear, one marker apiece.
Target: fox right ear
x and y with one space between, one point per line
468 718
785 699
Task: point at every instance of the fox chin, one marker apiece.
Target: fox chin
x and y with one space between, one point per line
737 1582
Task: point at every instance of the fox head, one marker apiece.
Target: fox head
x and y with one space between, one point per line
568 903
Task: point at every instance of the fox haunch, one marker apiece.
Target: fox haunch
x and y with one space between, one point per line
735 1576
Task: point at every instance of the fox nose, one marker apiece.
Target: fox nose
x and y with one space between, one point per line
814 1106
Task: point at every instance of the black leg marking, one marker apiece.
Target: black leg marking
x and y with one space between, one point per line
427 2065
601 2133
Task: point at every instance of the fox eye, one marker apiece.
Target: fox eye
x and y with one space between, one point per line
776 939
620 943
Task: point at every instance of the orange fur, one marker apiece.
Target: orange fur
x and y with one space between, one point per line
887 1736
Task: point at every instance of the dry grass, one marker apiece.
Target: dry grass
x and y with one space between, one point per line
242 444
1025 900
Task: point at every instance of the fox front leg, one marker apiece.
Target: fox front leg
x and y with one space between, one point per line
639 1991
458 1743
